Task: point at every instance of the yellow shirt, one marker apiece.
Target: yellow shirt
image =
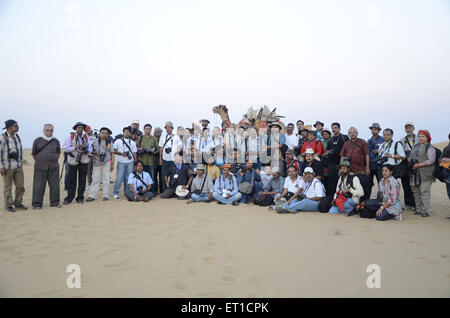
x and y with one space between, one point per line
213 172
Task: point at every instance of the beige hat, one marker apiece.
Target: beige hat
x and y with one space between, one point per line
308 169
180 192
309 150
135 121
169 123
275 169
408 123
200 166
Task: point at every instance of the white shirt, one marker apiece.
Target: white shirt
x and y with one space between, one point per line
291 141
316 189
145 176
121 146
252 147
390 148
293 186
173 143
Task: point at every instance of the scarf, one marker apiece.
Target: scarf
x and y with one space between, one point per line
47 138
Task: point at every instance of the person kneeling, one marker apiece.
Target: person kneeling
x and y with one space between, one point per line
202 186
139 184
226 188
308 196
348 190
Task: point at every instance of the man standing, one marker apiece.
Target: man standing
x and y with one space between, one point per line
408 142
374 144
46 150
11 166
333 155
78 146
158 181
92 137
167 151
291 141
356 152
102 161
125 149
147 148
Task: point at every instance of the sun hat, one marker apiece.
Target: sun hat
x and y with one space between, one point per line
180 192
318 123
375 125
308 169
79 124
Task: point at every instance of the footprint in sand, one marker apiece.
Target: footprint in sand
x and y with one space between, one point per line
254 280
228 278
378 242
180 285
418 243
105 253
228 269
210 260
123 265
427 260
181 257
34 232
191 271
185 245
445 256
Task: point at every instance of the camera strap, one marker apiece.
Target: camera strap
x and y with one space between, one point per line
167 140
140 179
48 143
128 146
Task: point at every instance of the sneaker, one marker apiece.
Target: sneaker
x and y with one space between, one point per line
105 199
56 205
189 201
10 209
66 202
80 201
90 199
116 196
21 207
37 207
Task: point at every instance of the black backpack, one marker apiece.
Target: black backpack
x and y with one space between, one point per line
263 200
325 203
437 168
365 183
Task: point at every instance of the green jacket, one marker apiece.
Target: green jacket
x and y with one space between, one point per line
148 144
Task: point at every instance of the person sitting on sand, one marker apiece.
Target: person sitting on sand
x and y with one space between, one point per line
348 190
212 170
248 174
202 186
388 203
308 195
139 184
178 174
226 188
291 185
271 190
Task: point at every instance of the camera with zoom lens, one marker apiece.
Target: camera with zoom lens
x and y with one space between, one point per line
168 150
140 190
129 156
381 160
410 166
13 155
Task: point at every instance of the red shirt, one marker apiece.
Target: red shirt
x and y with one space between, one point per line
316 145
356 152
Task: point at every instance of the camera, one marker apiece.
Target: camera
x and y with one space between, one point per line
129 156
140 190
13 155
102 156
381 160
410 166
168 150
197 191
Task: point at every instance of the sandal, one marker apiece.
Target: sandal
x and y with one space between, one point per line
425 214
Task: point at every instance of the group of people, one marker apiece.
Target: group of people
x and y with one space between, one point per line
313 169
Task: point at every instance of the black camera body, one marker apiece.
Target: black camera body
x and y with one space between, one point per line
13 155
129 155
410 166
381 160
168 150
140 190
102 156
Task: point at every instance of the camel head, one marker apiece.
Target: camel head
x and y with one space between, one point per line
221 109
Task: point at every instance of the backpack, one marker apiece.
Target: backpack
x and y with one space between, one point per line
325 203
365 183
263 200
438 173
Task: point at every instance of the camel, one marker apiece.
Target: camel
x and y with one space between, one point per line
222 110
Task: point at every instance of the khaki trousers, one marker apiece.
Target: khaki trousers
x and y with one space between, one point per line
422 196
16 176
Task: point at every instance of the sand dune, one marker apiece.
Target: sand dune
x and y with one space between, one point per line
166 248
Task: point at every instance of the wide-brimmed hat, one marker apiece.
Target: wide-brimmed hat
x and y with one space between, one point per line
107 129
345 163
204 120
375 125
180 192
275 124
308 169
79 124
318 123
169 123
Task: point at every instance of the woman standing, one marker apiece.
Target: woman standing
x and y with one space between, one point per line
422 159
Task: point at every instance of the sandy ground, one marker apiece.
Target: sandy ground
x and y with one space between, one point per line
166 248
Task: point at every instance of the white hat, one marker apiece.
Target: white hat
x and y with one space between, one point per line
180 192
309 150
135 121
275 169
408 123
308 169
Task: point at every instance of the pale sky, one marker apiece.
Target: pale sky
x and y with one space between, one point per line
107 62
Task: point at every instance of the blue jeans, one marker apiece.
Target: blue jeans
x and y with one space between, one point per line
123 171
218 196
349 205
304 205
147 195
202 197
256 189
